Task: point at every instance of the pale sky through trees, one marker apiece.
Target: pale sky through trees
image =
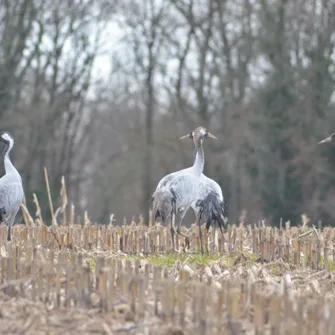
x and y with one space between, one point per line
101 97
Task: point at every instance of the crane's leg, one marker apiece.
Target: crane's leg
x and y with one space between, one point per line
10 225
214 236
198 219
172 232
173 220
181 218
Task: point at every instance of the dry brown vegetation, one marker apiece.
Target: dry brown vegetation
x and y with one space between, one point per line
104 279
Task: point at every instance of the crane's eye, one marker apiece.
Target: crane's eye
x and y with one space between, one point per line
191 134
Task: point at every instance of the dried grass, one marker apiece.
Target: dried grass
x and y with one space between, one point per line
108 279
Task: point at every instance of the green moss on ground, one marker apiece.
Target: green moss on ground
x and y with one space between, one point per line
170 259
91 262
331 264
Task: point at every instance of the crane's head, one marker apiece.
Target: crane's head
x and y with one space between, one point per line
330 139
6 138
198 135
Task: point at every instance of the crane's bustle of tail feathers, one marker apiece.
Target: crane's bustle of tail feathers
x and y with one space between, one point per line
213 209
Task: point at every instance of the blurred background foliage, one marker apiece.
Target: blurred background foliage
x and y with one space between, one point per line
100 91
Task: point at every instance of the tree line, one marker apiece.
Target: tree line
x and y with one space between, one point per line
258 74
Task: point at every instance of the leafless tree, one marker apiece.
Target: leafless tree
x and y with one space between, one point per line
259 74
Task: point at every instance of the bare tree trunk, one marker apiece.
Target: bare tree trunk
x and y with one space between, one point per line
147 163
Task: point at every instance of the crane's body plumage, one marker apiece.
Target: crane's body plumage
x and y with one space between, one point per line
11 190
188 190
11 196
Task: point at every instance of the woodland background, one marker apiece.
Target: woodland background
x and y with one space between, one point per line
99 91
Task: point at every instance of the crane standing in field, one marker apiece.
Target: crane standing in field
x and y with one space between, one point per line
11 190
196 169
215 212
184 189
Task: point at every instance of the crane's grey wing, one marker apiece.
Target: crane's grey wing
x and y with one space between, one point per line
11 196
161 184
165 181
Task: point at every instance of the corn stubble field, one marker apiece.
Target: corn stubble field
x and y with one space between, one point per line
105 279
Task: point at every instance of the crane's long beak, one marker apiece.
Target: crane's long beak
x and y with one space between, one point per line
212 136
186 136
326 140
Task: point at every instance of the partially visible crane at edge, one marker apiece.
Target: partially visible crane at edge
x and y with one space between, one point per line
329 139
11 190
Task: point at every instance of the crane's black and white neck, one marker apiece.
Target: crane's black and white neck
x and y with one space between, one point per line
8 140
198 136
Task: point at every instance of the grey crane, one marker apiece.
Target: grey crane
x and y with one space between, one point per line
11 190
198 136
186 191
329 139
214 196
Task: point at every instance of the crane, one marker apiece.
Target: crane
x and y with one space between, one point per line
11 190
329 139
189 190
198 135
186 191
216 196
